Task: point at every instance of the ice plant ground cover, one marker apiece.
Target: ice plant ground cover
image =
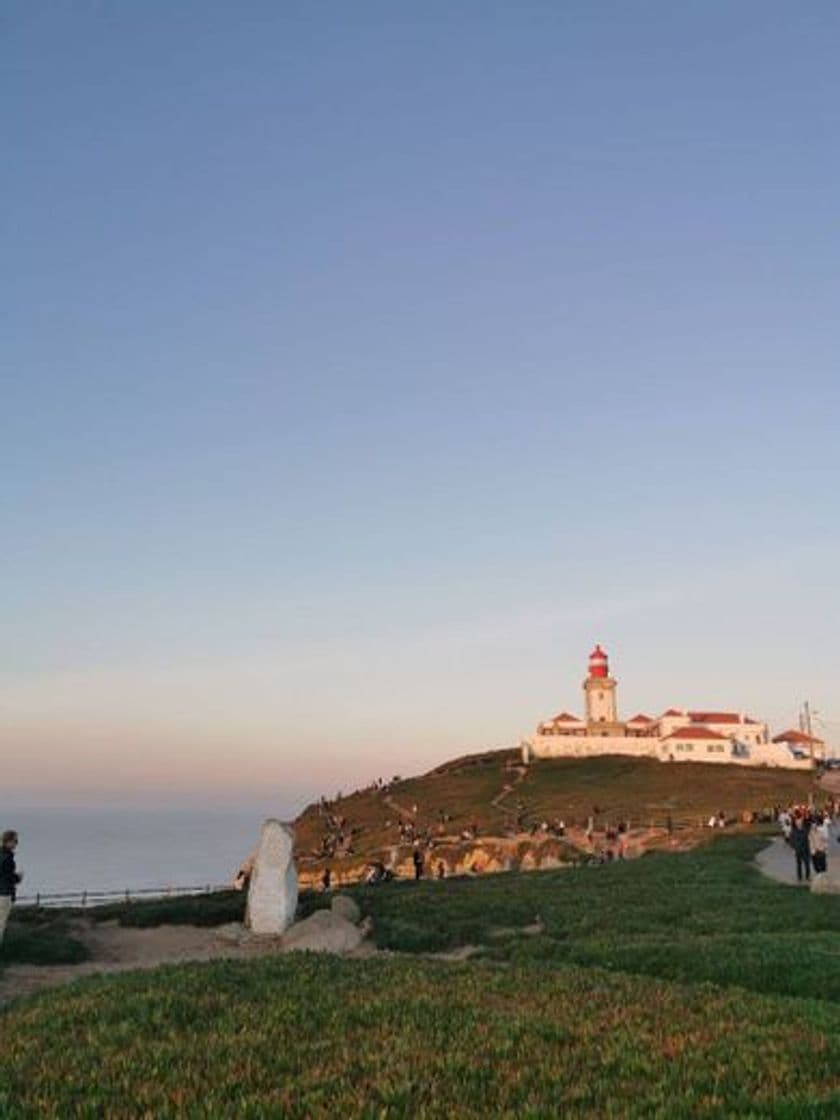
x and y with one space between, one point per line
312 1036
677 985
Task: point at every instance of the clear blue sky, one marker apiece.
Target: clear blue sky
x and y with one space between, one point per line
364 364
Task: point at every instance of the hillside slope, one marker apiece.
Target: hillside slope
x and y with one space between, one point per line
478 799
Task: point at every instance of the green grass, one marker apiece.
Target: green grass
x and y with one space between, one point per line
706 915
315 1037
642 789
35 935
187 910
671 986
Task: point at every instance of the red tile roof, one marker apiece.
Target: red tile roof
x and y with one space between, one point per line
718 717
565 717
796 737
641 718
693 732
673 712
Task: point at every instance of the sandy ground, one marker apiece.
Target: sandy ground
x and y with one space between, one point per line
115 948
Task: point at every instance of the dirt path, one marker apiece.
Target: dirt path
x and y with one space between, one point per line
507 789
406 814
116 948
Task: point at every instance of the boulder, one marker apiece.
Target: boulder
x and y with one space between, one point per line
273 888
323 932
344 905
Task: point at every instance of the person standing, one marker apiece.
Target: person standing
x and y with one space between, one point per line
417 860
818 842
801 848
9 876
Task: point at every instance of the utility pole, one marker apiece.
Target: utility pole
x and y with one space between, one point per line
806 720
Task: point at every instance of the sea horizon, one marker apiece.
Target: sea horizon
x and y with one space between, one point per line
108 848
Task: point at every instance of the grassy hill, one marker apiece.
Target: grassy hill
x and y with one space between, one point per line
493 789
671 986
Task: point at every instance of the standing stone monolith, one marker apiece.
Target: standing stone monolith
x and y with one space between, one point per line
273 889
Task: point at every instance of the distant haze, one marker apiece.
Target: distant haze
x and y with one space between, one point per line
364 365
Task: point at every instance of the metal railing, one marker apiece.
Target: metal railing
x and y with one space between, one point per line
83 899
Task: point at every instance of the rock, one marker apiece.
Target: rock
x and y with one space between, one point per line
822 884
323 932
344 905
273 889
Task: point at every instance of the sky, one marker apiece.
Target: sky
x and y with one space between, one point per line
363 365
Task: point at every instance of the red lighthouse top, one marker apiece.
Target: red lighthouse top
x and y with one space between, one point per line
598 663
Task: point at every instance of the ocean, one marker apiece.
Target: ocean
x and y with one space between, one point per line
64 850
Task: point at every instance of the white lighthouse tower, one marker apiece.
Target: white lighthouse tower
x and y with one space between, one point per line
599 689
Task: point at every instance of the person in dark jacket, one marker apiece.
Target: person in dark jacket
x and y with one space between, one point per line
9 877
799 841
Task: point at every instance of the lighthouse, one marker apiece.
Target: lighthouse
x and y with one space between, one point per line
599 689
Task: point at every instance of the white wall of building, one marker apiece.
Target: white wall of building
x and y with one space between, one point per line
673 750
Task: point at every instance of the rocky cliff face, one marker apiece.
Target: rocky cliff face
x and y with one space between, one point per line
478 857
489 855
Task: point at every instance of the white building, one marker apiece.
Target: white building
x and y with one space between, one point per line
678 735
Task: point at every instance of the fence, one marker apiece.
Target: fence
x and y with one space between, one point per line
84 899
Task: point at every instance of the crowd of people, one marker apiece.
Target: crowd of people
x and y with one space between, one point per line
337 837
805 828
